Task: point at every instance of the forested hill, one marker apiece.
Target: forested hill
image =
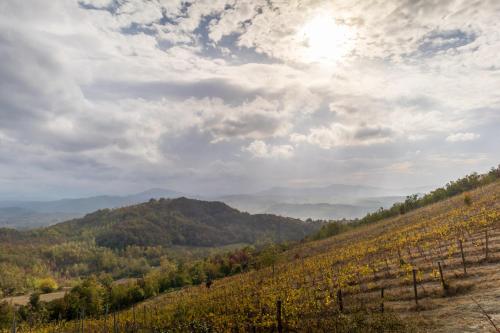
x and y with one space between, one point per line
179 221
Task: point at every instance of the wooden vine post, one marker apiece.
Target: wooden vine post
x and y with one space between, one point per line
443 282
463 255
382 299
486 244
415 285
278 316
339 300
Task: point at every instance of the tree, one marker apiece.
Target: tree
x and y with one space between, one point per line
6 314
88 296
12 278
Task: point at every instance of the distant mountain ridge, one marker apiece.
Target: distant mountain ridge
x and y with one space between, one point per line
334 201
325 192
22 218
90 204
322 211
32 214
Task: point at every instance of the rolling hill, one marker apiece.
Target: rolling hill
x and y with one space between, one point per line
129 241
180 221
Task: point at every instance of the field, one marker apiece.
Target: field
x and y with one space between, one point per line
24 299
335 285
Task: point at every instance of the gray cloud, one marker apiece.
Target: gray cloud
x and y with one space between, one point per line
215 88
366 133
441 41
218 96
258 125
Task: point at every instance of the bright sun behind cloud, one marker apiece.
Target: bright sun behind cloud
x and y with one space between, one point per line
324 40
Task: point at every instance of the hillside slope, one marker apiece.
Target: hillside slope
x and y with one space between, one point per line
389 254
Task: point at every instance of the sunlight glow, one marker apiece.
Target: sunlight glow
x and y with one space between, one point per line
324 40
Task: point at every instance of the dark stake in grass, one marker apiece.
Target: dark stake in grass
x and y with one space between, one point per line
415 285
463 255
339 300
443 282
278 316
486 249
382 299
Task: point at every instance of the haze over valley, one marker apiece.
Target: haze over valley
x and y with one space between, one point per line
326 203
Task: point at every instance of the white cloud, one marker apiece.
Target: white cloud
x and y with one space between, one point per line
232 20
260 149
105 88
338 135
462 137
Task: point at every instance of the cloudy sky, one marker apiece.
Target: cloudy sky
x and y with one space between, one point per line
227 96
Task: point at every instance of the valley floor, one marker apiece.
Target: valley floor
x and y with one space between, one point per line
24 299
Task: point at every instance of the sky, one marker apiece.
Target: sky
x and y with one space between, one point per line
235 96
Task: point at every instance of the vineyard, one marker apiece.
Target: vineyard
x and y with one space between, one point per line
394 275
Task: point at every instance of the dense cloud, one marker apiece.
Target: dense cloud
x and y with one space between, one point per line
225 96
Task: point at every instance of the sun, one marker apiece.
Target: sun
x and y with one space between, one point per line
324 40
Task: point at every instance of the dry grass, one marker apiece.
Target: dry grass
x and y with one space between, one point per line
24 299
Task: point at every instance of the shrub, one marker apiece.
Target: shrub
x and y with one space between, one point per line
35 300
46 285
467 199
